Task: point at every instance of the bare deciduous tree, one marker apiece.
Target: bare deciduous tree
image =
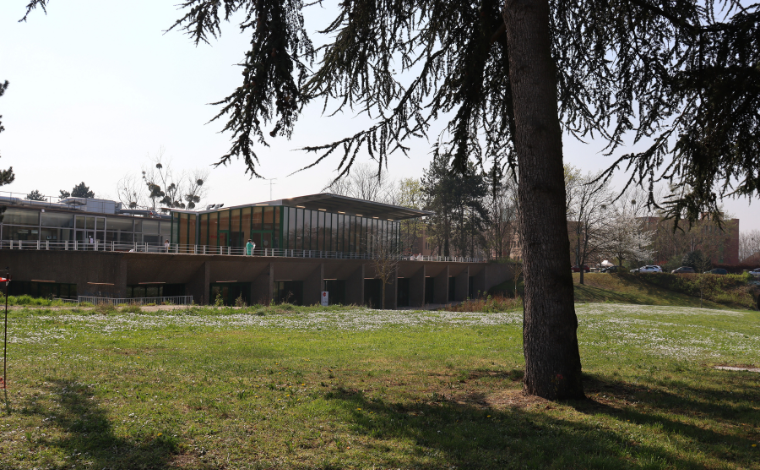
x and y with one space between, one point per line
626 234
502 204
160 186
588 203
364 182
749 244
409 194
386 255
131 191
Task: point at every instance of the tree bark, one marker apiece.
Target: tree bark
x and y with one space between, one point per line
550 342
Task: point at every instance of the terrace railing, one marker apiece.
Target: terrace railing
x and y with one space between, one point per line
176 249
170 300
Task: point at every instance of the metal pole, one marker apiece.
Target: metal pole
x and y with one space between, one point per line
5 338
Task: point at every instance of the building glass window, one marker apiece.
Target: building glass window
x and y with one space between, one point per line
291 228
181 230
268 218
54 234
351 234
56 219
258 213
165 230
150 227
121 224
334 232
236 234
213 227
314 230
246 223
14 216
299 229
341 231
203 229
11 232
276 240
321 231
224 228
363 239
191 229
306 229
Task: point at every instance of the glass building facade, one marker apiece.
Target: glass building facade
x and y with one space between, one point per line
51 225
283 228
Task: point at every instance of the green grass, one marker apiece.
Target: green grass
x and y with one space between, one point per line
665 289
311 388
27 300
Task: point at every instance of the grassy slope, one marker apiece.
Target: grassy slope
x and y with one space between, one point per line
302 389
661 289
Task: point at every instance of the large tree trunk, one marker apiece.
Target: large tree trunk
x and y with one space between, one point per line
552 360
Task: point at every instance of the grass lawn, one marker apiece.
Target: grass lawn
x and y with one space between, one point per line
310 388
721 292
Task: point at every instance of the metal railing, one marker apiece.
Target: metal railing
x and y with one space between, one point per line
176 249
170 300
101 206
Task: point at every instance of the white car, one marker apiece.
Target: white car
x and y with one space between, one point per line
650 268
755 272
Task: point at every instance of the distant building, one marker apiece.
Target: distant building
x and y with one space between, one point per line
721 244
304 246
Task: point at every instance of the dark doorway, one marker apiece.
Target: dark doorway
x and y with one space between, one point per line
429 290
452 288
403 292
230 292
471 288
373 291
337 290
42 289
290 292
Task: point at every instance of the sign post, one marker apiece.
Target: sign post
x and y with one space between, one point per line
325 298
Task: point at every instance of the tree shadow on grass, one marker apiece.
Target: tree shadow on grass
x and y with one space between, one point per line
85 435
589 293
647 404
475 434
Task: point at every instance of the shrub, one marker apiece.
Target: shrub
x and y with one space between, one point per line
131 309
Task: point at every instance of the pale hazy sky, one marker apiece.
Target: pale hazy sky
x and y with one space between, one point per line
96 87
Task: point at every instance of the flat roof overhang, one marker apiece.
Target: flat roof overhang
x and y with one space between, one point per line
336 203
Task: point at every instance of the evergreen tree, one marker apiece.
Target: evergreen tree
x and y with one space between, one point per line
681 74
438 187
35 196
82 190
457 202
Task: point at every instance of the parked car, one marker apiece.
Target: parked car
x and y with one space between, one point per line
683 270
650 268
755 272
576 269
720 271
610 269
